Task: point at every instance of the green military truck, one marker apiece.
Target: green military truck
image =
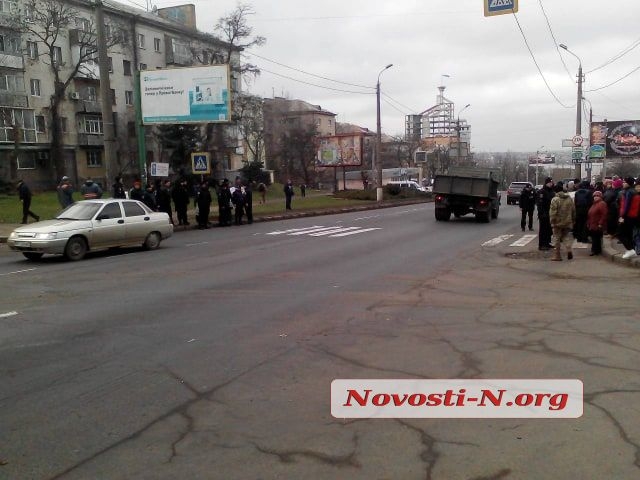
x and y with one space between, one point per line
467 190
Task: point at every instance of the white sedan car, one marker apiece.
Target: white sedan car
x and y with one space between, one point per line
92 225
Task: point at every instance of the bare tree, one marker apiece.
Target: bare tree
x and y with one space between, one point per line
48 22
250 115
298 152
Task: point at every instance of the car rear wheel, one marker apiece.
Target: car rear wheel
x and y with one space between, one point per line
32 255
152 241
76 248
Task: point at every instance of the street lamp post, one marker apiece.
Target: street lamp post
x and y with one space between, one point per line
578 105
378 155
458 131
588 156
538 162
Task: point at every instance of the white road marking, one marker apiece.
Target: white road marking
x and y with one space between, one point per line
314 230
366 218
332 230
195 244
495 241
353 233
523 241
8 314
17 271
283 232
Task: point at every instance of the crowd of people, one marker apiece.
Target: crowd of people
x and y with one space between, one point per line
594 210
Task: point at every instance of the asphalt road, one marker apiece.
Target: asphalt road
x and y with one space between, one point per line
212 357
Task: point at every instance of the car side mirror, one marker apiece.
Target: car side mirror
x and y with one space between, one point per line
102 216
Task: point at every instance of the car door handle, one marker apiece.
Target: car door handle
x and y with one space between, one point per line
146 219
120 221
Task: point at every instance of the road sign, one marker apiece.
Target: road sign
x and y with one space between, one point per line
159 169
200 163
499 7
577 154
567 142
577 140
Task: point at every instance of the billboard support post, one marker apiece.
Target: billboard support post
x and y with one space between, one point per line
142 148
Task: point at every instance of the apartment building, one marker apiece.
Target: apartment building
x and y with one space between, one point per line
164 38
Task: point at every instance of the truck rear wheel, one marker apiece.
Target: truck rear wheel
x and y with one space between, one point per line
443 214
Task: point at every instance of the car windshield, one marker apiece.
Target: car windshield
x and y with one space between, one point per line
79 211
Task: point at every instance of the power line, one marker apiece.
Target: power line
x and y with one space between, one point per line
526 42
316 85
311 74
555 41
613 83
619 55
409 109
393 106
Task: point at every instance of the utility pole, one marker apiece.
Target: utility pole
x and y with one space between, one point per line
379 192
579 114
105 96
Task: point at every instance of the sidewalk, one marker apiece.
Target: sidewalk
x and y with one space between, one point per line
611 249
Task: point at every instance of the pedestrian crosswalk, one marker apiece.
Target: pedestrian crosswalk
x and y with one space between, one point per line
520 241
322 231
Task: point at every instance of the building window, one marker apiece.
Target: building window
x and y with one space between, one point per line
32 50
89 54
63 124
128 97
94 158
93 125
40 124
57 55
126 65
110 63
23 118
140 40
143 66
156 44
83 24
12 83
9 44
113 96
131 129
92 94
28 13
35 87
26 161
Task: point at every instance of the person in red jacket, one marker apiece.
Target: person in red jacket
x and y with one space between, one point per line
597 222
628 216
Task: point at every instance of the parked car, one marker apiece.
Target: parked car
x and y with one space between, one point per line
91 225
514 191
410 184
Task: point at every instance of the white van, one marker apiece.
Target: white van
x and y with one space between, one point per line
410 184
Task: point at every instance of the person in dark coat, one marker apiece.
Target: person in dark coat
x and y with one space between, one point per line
248 202
136 192
288 194
627 216
180 195
90 190
303 190
117 189
203 201
149 197
543 202
527 204
65 192
164 199
25 197
237 198
583 200
224 204
611 199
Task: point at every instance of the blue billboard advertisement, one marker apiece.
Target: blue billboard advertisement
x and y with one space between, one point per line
185 95
499 7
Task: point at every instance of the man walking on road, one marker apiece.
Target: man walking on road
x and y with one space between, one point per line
562 215
25 198
527 205
543 202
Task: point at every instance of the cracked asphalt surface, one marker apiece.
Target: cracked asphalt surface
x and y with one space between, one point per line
212 357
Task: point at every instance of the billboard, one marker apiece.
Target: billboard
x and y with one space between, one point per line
500 7
623 138
542 158
340 151
185 95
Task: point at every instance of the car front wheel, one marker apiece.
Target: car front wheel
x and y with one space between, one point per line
76 248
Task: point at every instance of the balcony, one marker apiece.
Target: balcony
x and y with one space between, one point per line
78 36
87 106
90 140
14 100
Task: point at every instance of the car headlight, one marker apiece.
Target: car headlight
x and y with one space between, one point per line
13 235
46 236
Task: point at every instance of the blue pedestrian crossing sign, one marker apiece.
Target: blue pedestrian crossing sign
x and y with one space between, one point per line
499 7
200 163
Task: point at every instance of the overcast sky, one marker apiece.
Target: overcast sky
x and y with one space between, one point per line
486 58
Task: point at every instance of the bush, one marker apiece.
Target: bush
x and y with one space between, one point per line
356 194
